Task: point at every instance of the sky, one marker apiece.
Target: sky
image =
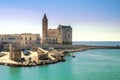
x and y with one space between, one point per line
91 20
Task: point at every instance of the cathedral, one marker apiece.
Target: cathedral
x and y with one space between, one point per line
61 35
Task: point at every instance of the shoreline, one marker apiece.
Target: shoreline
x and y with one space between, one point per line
84 48
58 55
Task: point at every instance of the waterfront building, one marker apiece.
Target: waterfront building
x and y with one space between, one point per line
61 35
25 40
30 40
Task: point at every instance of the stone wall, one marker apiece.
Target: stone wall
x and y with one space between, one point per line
65 47
14 52
58 46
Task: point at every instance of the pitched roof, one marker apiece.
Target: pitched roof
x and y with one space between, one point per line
52 33
64 26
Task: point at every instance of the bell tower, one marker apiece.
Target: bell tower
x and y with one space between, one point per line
44 28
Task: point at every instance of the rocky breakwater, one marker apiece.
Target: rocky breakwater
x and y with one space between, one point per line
56 56
33 59
43 57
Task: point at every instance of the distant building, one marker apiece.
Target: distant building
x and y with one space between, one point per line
61 35
25 40
30 40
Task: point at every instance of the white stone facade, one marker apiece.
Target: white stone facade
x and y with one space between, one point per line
26 40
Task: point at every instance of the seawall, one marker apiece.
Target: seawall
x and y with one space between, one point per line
63 47
58 53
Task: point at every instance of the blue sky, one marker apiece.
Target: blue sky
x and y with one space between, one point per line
91 20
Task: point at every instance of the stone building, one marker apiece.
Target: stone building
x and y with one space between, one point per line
14 52
26 40
30 40
61 35
6 39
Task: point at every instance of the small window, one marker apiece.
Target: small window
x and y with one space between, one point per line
68 35
38 38
25 38
30 38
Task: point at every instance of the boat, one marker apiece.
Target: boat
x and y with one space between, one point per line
72 55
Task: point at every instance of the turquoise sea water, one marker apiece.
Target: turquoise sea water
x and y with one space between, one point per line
98 43
98 64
